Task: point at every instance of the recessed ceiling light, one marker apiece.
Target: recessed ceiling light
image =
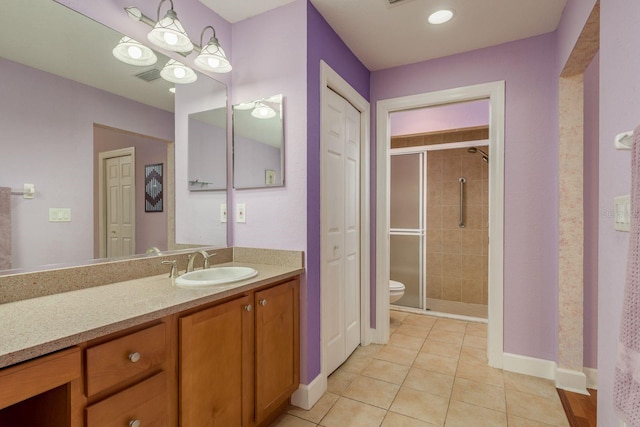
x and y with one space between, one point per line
441 16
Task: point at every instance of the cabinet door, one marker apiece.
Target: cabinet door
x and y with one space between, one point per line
277 347
215 357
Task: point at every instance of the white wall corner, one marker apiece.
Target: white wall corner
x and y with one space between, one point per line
308 394
571 380
529 366
592 378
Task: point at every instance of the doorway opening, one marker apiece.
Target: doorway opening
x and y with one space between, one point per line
495 93
439 174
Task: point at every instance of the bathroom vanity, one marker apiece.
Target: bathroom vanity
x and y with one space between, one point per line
145 352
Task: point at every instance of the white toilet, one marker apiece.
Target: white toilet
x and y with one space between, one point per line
396 290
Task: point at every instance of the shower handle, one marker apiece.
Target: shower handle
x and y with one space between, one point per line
462 181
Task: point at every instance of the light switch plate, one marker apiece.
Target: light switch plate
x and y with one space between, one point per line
59 214
223 212
622 213
241 212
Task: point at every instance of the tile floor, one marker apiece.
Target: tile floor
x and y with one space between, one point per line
433 372
459 308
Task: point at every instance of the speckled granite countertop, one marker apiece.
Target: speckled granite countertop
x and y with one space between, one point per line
38 326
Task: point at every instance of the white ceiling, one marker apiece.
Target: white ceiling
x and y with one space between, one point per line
383 35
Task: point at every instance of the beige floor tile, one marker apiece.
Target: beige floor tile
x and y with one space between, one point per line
347 412
420 405
477 329
451 325
374 392
420 320
403 356
339 381
473 355
413 331
487 396
480 373
429 382
463 414
393 329
396 420
445 336
536 408
435 363
529 384
386 371
523 422
286 420
397 316
356 363
318 411
368 350
406 341
441 349
475 342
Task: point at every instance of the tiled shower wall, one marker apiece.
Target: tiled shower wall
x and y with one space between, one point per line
457 258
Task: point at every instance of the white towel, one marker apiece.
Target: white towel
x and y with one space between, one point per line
5 228
626 390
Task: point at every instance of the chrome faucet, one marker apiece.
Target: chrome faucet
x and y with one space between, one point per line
192 258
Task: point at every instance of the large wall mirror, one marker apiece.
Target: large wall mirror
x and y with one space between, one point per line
69 110
258 143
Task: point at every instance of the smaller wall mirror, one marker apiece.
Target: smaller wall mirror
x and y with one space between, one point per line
207 150
258 143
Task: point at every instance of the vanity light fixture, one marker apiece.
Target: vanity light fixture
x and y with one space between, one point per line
245 106
133 52
167 33
212 57
441 16
177 72
263 111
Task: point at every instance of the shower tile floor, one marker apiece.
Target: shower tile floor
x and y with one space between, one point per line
459 308
433 372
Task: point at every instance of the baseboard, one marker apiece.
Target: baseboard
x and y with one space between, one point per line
571 380
308 394
565 379
592 378
529 366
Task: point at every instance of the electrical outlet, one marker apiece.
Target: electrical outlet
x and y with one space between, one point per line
223 212
241 212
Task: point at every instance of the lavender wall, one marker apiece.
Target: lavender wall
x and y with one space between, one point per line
466 114
531 179
591 174
322 44
49 127
619 112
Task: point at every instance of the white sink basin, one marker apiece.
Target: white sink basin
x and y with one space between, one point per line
215 276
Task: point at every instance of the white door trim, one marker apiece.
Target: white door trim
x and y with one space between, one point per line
330 79
495 91
102 195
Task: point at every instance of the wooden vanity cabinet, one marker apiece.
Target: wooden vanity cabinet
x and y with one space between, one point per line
239 360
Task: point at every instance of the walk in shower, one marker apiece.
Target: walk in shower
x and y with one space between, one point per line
439 225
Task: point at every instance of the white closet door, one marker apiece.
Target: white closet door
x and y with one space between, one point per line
340 203
120 207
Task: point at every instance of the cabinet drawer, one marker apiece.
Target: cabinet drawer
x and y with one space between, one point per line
116 361
145 402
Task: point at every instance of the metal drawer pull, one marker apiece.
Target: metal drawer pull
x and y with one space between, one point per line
134 357
135 423
263 302
248 307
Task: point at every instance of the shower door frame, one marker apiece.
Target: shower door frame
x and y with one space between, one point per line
422 230
495 92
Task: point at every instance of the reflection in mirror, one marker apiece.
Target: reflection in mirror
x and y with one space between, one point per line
258 143
61 108
207 150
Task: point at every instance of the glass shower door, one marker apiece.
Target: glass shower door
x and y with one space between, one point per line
407 227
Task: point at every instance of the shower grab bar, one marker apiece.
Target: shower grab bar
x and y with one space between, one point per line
462 181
